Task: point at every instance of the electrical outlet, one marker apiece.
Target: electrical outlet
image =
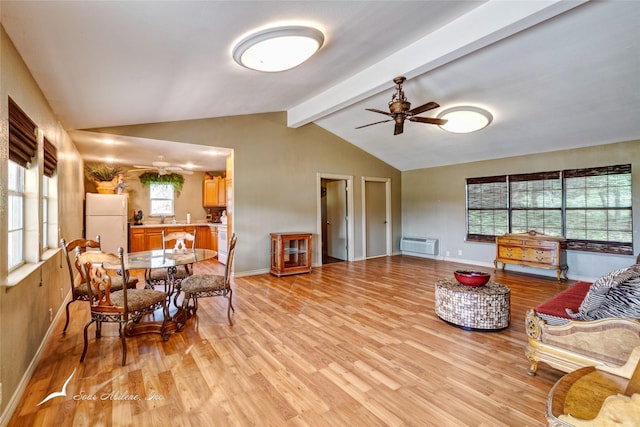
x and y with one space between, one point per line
50 314
459 251
448 253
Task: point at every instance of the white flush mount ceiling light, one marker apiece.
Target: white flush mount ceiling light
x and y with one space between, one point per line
278 49
465 119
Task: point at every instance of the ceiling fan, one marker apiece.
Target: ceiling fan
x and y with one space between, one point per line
162 167
399 110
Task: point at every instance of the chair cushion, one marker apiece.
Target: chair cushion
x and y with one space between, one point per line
570 298
138 299
202 283
600 289
161 273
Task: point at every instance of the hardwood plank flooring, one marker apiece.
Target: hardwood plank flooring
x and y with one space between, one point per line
349 344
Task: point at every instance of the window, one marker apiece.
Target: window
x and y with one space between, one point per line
45 211
599 209
591 207
536 203
16 215
161 196
487 208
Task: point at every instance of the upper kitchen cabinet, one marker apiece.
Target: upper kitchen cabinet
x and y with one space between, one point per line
214 191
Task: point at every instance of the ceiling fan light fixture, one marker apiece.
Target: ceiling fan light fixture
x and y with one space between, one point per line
465 119
278 49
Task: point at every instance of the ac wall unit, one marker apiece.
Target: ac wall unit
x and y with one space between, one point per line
419 245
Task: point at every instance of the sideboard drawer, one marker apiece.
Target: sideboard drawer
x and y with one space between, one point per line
532 249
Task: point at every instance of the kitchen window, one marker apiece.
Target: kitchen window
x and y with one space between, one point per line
161 196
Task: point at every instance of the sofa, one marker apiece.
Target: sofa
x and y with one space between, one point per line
589 324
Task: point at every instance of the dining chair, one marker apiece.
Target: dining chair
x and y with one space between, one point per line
172 276
77 281
125 306
208 285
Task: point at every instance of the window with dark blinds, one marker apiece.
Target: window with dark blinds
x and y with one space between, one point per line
50 158
23 143
487 209
591 207
536 202
599 209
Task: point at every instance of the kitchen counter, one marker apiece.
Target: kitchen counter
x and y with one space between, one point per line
178 224
149 236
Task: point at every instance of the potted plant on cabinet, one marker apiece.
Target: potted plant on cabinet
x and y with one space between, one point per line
104 176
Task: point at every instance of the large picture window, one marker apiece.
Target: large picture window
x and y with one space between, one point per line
591 207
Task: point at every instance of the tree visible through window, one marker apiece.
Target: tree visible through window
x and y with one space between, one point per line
599 209
591 207
161 196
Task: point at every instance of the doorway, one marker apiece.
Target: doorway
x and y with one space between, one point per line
335 228
376 221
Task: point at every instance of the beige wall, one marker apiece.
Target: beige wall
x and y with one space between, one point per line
433 203
25 307
275 176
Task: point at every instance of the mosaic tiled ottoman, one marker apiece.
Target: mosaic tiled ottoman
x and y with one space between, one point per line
483 308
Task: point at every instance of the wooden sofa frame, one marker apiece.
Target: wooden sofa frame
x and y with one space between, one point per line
607 343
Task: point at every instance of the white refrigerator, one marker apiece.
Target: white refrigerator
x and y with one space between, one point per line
106 216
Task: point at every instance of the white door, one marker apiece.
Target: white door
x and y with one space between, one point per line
376 218
337 219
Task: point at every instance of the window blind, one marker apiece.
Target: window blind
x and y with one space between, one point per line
23 143
50 158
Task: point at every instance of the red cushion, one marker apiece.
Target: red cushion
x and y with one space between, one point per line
570 298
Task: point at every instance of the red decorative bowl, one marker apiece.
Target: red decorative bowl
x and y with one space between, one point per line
472 278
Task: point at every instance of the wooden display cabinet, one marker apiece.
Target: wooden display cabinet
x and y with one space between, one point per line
532 249
290 253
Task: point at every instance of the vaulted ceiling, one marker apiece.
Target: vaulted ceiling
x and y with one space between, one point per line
554 74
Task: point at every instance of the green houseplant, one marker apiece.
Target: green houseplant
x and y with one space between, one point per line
104 176
174 179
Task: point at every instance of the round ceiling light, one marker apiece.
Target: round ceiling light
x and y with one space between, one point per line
278 49
465 119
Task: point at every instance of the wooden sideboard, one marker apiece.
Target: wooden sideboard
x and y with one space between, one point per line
532 249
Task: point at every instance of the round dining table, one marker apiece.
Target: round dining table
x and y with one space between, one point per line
162 258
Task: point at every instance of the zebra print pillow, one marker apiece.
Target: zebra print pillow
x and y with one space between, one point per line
600 289
622 301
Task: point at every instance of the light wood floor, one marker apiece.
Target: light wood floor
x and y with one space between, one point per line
350 344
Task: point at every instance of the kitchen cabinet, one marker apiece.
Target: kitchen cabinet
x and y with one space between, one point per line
146 238
290 253
532 249
214 192
136 240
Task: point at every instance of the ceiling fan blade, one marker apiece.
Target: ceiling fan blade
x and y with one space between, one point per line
399 128
422 108
375 123
430 120
375 110
178 169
